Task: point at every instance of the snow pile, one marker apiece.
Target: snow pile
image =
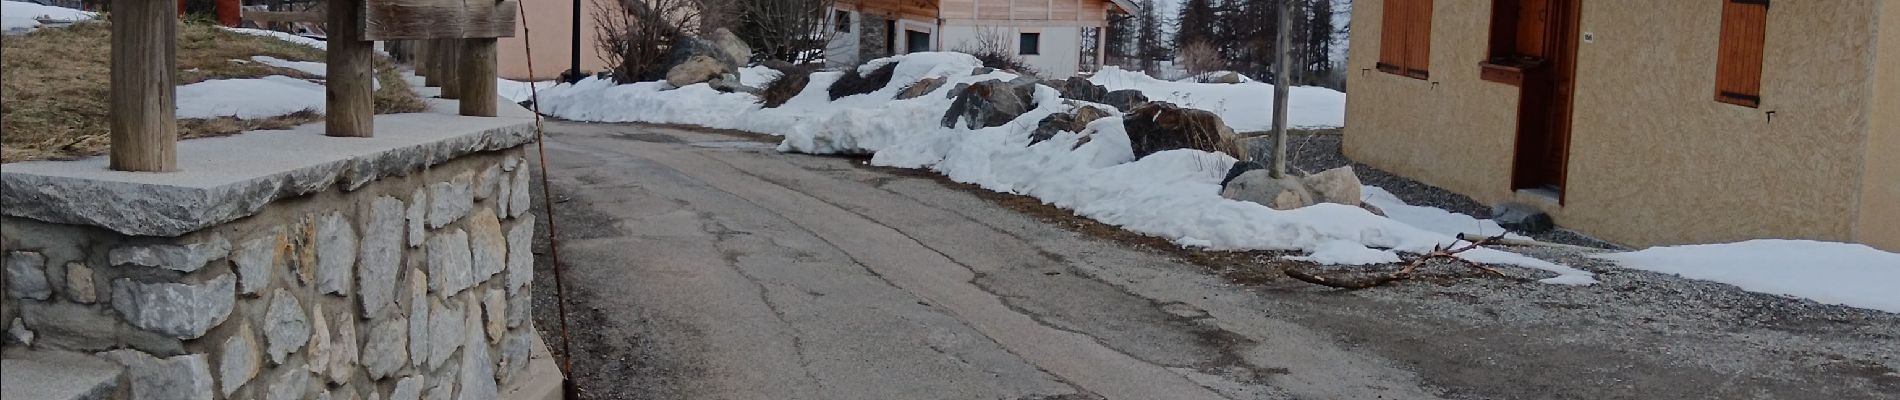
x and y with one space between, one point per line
1847 274
1246 107
1431 218
281 36
265 97
518 91
24 16
1171 194
308 67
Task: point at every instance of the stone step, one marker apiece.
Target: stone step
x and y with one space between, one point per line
542 380
56 375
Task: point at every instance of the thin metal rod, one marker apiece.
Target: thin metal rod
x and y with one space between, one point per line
547 205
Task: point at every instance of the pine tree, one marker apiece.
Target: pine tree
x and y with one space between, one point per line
1148 43
1319 42
1197 22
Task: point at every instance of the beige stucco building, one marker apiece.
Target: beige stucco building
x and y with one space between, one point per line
1058 38
1642 122
553 31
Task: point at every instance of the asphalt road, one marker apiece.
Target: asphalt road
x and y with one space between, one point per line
704 265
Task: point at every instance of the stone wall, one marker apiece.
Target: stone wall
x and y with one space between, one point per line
410 286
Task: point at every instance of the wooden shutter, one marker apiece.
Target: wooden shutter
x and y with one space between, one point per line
1418 38
1392 37
1738 63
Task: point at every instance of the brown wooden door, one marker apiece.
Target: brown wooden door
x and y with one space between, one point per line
1543 131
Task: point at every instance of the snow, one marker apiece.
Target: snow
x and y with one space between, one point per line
265 97
1247 107
310 67
1171 194
1431 218
24 16
281 36
518 91
1847 274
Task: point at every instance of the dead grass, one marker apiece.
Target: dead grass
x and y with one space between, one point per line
54 85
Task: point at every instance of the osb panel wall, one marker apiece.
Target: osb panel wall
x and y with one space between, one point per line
1656 160
1453 131
1880 186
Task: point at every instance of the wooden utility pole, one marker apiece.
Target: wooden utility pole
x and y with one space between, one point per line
350 93
144 84
1280 89
478 77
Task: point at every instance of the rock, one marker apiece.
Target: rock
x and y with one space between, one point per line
336 254
291 384
1086 114
176 378
495 314
1239 168
730 83
729 45
981 70
417 214
450 200
343 355
1079 88
239 362
478 370
695 70
286 329
380 256
1337 185
515 351
1224 77
1260 187
79 327
1125 99
1159 126
778 65
1375 210
1520 217
318 354
518 201
17 331
257 258
988 104
418 317
304 245
445 330
179 310
956 90
26 276
386 348
450 263
486 183
519 305
176 257
521 254
922 87
79 284
1050 125
488 248
409 388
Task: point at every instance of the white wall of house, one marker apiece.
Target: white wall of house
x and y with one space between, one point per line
843 48
1059 53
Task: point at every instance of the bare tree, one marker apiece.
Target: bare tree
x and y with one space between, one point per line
1201 59
634 36
991 46
789 30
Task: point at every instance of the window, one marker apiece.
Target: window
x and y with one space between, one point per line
1738 62
916 41
1030 44
843 19
1405 42
1519 29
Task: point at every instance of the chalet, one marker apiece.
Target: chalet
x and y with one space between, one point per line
1057 38
1642 122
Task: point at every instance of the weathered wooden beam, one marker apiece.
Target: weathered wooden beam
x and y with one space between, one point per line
478 77
430 19
425 62
349 92
450 67
284 16
142 105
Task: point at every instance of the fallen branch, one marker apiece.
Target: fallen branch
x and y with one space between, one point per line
1500 240
1447 252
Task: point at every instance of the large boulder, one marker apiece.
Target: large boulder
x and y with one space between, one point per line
956 90
989 103
729 83
1050 125
1159 126
1259 186
1077 88
696 69
729 44
1125 99
922 87
1224 77
1086 114
1337 185
1521 217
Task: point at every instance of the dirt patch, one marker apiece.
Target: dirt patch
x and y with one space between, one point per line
57 81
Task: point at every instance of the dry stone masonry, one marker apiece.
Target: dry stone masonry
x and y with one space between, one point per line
402 285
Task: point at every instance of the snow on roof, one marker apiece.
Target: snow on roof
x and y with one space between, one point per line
1126 6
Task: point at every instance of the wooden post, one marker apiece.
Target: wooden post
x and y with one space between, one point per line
450 68
349 94
478 77
1280 88
425 62
144 82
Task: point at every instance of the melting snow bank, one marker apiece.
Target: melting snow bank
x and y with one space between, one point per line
24 16
1847 274
1246 106
265 97
1171 194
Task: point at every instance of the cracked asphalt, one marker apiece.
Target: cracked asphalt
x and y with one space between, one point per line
705 265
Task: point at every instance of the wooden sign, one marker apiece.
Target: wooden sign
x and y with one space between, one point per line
438 19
